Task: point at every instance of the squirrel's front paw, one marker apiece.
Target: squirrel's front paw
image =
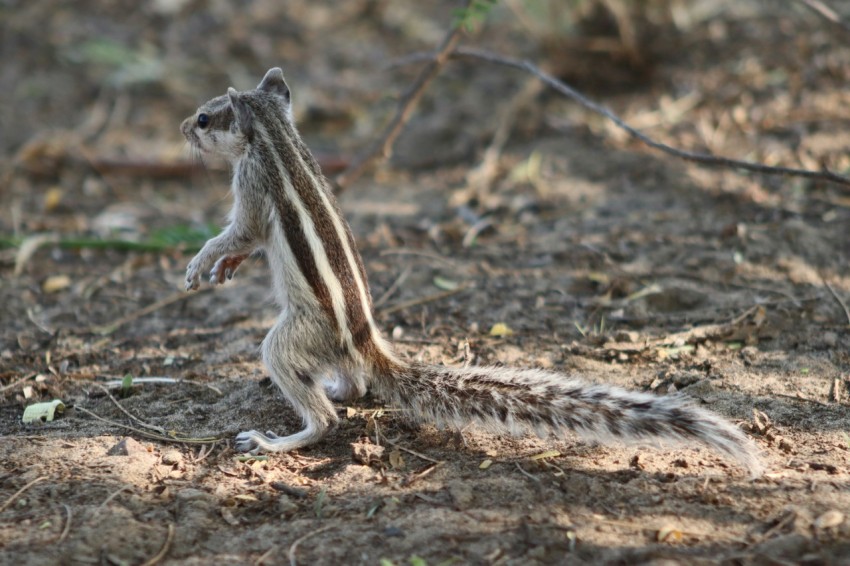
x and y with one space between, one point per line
193 276
225 267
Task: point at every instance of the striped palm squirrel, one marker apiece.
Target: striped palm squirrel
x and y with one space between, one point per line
325 344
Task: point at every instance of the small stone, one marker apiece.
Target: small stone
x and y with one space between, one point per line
831 518
126 447
785 445
366 454
393 532
172 458
629 336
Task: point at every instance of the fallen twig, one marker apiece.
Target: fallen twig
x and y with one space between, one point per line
409 480
404 251
39 240
156 428
837 298
695 157
826 12
16 382
67 528
152 436
520 468
20 491
383 145
143 380
413 452
798 397
153 307
394 287
422 300
272 549
112 496
292 549
165 547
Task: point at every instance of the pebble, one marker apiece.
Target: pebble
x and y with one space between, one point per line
172 458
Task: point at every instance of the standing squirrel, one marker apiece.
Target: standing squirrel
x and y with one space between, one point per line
325 344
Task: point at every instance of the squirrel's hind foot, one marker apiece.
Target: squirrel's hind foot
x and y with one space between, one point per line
255 442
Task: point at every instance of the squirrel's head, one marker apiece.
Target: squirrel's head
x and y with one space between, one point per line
226 125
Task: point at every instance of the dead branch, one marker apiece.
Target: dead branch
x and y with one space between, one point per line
383 145
692 156
826 12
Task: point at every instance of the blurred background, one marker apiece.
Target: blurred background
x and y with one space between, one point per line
95 90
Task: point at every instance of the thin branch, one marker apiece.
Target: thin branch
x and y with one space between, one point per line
16 382
569 92
837 298
394 287
168 380
520 468
112 496
150 435
107 329
158 429
384 144
67 528
299 540
20 491
169 537
415 453
422 300
826 12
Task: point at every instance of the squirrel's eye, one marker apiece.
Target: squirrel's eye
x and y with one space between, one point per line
203 121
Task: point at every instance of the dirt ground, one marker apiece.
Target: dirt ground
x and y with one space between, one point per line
605 259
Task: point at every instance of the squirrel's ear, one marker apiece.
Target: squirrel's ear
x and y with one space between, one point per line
241 113
273 83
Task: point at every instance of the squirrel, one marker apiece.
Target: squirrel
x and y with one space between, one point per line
325 343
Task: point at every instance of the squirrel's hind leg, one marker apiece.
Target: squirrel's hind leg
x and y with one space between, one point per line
303 388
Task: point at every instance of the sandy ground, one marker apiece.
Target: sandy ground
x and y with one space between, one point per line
604 259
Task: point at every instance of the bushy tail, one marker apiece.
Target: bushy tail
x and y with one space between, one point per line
515 400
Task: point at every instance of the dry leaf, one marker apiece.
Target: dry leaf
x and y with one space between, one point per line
547 454
56 283
445 284
367 453
501 329
831 518
669 533
396 460
52 198
599 277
